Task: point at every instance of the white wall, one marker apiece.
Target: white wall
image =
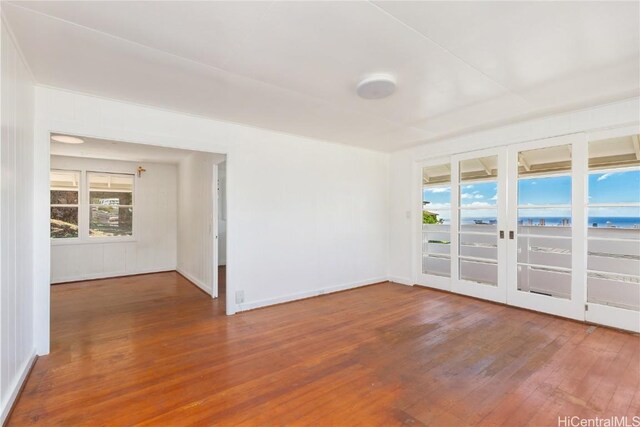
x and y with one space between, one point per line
196 213
303 216
222 214
153 247
405 200
17 349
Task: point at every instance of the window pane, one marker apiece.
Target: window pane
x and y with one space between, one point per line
615 217
436 217
546 160
479 168
551 190
543 217
479 194
110 182
110 198
59 197
64 222
438 197
478 219
64 180
615 187
479 271
107 220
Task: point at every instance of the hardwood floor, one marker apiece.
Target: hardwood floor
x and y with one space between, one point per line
154 350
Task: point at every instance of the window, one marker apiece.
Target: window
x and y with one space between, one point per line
110 204
64 192
91 205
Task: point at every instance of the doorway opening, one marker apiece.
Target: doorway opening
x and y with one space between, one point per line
222 230
120 209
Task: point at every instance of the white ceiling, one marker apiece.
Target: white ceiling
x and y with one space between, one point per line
293 66
94 148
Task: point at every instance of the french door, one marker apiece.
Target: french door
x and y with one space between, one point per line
434 243
613 229
478 203
535 225
546 224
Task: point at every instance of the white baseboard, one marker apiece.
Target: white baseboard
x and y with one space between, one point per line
106 275
197 282
401 280
16 386
307 294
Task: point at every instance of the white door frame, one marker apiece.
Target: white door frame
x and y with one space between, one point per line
41 238
214 231
496 293
573 308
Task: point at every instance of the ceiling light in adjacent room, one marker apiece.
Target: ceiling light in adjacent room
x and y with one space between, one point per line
376 86
67 139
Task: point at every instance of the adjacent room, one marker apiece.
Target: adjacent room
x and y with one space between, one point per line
316 213
122 209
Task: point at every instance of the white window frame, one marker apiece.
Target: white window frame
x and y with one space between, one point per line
67 240
84 212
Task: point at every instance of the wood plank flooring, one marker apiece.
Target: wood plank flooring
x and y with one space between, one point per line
155 350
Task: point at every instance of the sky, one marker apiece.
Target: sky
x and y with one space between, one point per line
604 188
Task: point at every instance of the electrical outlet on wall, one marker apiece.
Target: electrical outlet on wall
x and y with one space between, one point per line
239 297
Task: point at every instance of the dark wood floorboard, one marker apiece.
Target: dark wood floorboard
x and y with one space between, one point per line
154 350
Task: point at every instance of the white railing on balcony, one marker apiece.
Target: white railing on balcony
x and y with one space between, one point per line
613 267
436 244
544 260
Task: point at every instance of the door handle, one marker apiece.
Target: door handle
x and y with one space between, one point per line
502 234
511 234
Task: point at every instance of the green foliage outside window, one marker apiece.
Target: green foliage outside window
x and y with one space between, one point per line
431 218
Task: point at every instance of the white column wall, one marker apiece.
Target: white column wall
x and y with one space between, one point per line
17 347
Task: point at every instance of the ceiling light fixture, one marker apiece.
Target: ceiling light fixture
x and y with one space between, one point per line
67 139
376 86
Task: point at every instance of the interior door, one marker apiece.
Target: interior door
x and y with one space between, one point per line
478 223
546 254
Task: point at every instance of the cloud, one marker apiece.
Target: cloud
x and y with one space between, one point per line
605 176
495 197
471 196
438 190
481 204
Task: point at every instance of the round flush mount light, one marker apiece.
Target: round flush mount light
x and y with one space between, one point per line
67 139
376 86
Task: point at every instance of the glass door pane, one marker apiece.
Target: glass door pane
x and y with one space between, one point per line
478 218
613 245
436 220
544 221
